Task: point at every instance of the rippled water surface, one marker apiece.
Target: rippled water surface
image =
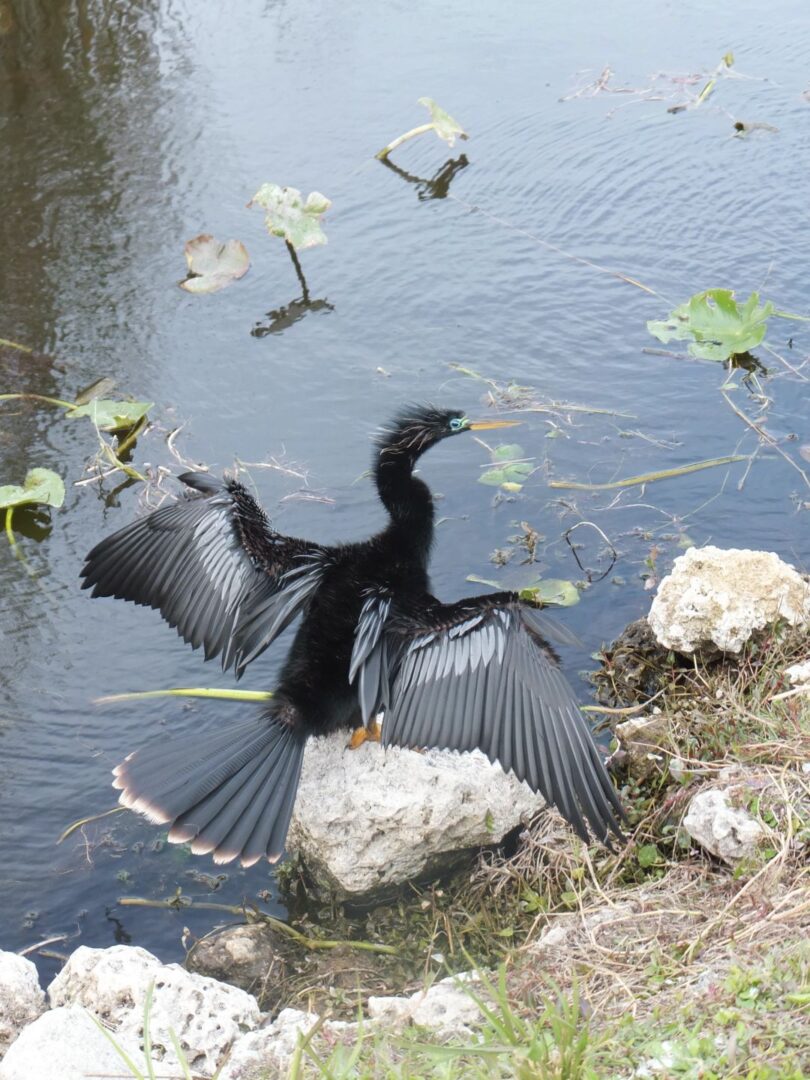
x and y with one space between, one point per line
127 129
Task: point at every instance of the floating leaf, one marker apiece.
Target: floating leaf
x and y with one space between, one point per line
716 324
289 216
41 487
443 123
483 581
507 452
552 591
213 266
112 415
515 473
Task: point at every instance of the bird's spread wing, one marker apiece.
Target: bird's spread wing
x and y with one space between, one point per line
479 673
213 567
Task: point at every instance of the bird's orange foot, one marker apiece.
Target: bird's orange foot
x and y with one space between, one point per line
360 735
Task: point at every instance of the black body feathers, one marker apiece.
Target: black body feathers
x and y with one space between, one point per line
477 673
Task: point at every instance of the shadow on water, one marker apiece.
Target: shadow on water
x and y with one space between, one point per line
439 186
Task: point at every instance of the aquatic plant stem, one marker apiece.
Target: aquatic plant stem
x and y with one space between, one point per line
191 692
261 916
645 478
9 533
39 397
15 345
381 155
766 438
298 270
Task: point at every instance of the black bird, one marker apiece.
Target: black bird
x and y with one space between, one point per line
475 673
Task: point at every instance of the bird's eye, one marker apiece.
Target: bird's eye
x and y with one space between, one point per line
456 424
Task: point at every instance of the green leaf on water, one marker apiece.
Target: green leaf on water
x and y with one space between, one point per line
443 123
112 415
716 324
41 487
289 216
552 591
510 475
213 266
508 452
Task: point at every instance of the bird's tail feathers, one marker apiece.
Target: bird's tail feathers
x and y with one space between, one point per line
229 793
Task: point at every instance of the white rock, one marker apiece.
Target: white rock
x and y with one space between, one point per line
206 1016
799 674
266 1054
370 818
445 1008
722 596
726 831
21 997
65 1044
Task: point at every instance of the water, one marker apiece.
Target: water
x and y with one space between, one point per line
127 129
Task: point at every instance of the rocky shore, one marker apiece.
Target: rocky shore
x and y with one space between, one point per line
714 883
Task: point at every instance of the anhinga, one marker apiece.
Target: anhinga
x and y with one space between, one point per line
372 638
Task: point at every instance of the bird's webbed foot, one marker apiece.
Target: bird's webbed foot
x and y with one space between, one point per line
372 733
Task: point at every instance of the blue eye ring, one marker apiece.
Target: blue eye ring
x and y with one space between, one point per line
457 423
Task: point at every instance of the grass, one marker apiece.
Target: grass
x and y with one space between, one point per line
652 961
656 960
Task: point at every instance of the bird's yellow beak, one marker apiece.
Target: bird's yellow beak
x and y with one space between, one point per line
486 425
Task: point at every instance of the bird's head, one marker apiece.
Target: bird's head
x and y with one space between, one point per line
418 427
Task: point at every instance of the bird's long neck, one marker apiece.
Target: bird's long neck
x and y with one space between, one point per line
407 500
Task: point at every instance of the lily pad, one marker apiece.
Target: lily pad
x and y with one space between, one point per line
511 474
552 591
41 487
112 415
508 452
443 123
716 324
288 215
213 266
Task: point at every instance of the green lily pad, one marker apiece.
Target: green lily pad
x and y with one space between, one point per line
513 474
552 591
41 487
443 123
716 324
213 266
289 216
112 415
507 452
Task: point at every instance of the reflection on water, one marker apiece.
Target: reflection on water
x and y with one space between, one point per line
126 129
439 186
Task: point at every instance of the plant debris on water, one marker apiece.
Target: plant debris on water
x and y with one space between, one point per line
213 266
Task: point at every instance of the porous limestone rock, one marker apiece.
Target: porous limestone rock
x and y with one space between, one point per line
206 1016
799 674
367 820
65 1044
266 1054
21 997
726 831
445 1008
720 597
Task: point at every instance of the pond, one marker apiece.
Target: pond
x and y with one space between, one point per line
129 129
